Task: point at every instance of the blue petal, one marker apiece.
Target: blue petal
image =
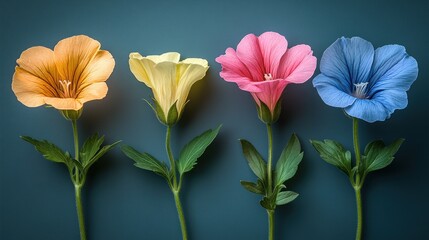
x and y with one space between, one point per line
348 60
368 110
331 92
392 99
393 68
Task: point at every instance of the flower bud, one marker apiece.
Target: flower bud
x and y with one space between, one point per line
266 115
71 115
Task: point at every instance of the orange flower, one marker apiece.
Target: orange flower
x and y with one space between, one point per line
65 78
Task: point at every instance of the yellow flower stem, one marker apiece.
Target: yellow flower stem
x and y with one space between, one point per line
358 183
181 215
78 184
171 157
175 188
270 181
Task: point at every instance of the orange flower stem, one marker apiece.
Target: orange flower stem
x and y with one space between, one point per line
80 215
78 184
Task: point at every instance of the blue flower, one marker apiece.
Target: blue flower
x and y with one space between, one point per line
368 84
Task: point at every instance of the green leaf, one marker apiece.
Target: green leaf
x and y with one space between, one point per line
194 149
257 188
146 161
334 153
286 197
91 151
269 202
378 156
90 147
254 159
49 150
99 154
289 160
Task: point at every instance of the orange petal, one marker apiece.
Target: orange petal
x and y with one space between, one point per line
64 103
29 89
40 62
98 69
93 92
72 56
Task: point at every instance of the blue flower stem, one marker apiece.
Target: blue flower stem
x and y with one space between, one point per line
270 224
78 183
270 181
175 187
357 186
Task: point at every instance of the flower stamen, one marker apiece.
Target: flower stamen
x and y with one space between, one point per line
360 90
65 84
268 76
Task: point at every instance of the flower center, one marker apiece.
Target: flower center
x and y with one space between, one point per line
65 84
360 90
268 76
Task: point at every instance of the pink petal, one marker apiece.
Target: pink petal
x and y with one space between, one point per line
270 92
273 46
249 53
298 64
233 70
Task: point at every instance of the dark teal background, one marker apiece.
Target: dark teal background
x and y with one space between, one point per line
123 202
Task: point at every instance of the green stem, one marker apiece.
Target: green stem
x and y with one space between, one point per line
78 183
181 216
76 148
270 224
358 184
270 157
171 157
80 212
357 149
359 214
175 187
270 181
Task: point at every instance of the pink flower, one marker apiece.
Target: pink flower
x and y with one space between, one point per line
264 66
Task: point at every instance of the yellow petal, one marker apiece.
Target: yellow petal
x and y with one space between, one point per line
142 68
198 61
188 75
40 62
64 103
165 85
72 56
165 57
93 92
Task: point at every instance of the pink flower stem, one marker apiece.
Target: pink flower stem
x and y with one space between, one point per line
270 181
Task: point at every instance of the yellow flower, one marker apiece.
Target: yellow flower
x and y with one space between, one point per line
65 78
170 79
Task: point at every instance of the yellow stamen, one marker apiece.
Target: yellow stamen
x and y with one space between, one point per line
268 76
